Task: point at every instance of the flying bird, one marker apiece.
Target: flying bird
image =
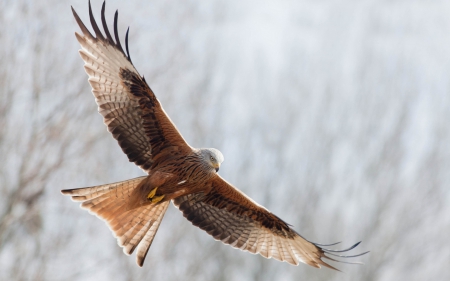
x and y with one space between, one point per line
187 176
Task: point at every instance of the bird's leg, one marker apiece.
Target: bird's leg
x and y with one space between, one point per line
158 180
154 199
152 193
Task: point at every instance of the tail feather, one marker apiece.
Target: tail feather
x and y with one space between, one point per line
110 214
146 242
133 226
86 193
96 205
132 233
127 227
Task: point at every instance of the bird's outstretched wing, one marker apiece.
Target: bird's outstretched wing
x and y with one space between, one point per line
129 107
230 216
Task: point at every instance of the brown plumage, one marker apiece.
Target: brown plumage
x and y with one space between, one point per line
133 209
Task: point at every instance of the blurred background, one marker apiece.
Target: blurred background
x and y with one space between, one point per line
332 114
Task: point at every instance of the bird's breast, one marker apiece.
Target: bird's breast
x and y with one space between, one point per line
187 170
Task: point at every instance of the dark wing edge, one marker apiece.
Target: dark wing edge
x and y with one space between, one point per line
99 36
230 216
130 109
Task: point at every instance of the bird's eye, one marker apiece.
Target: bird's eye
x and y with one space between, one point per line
212 158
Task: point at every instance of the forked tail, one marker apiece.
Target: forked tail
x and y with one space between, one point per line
114 203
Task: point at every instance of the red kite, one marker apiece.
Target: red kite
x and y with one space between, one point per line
177 172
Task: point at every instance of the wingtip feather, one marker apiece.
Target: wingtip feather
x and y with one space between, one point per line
97 31
105 26
81 24
66 191
116 33
126 44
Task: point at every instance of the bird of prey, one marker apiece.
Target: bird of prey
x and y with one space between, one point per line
187 176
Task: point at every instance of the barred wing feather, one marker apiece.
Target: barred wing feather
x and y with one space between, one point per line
230 216
129 107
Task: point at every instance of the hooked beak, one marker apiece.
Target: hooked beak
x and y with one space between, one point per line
217 169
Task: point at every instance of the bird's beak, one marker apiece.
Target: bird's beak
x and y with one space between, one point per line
217 169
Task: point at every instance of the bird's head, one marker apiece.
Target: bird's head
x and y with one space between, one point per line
212 157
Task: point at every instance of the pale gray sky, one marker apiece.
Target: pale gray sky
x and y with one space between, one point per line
332 114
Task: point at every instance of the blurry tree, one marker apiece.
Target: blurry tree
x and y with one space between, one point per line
36 137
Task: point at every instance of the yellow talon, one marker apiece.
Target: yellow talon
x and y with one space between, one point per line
152 193
156 199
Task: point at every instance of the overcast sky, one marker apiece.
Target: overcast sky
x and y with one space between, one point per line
332 114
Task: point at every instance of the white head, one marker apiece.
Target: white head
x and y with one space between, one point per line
212 157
